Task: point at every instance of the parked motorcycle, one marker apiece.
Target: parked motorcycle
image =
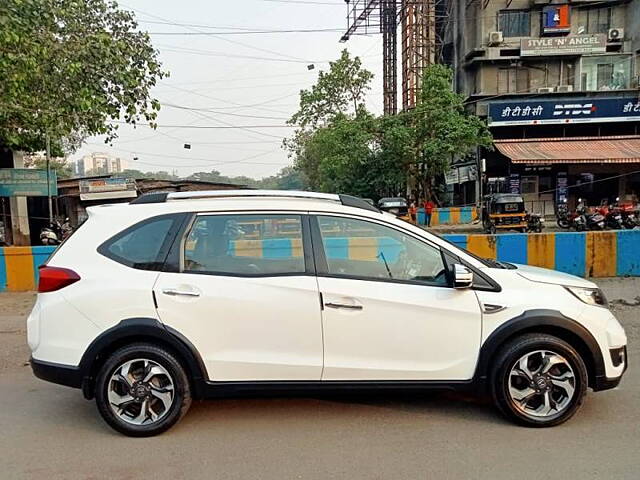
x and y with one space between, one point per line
570 220
589 220
612 216
563 216
630 216
535 222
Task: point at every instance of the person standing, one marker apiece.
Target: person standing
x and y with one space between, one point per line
428 210
413 211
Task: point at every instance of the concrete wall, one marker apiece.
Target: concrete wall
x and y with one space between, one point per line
586 254
19 267
449 216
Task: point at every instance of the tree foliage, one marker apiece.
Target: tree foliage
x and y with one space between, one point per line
441 128
343 148
68 68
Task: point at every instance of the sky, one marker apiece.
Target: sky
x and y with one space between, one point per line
240 79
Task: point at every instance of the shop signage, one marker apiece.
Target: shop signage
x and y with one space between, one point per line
571 45
562 188
564 110
555 19
514 183
107 188
463 174
26 182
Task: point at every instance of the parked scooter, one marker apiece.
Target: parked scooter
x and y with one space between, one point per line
56 232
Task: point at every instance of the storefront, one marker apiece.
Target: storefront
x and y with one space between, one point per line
552 150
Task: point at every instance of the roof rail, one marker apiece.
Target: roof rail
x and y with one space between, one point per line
346 200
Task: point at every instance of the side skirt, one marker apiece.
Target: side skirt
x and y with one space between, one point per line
297 388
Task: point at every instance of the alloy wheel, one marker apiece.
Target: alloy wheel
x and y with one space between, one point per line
140 392
541 384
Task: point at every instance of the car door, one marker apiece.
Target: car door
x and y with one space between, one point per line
245 295
389 312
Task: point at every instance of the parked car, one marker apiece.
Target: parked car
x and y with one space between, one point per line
152 304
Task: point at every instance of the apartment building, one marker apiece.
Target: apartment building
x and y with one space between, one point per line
99 164
558 83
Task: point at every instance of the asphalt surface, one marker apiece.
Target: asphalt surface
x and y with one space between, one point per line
51 432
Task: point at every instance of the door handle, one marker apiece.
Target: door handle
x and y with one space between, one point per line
175 291
343 305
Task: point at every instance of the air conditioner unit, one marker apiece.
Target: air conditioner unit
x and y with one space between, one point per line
564 88
546 90
495 38
615 34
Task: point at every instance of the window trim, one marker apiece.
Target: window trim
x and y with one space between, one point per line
322 266
307 251
161 258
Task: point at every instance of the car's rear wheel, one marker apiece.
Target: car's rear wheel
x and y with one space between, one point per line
539 380
142 390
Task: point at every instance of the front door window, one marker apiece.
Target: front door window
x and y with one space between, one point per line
366 250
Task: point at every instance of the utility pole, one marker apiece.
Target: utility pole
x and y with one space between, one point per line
48 142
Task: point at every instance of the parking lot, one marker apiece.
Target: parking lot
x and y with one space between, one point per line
51 432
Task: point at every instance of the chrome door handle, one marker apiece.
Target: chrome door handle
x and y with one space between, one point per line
175 291
343 305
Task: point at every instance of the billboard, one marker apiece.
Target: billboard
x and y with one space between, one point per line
26 182
564 110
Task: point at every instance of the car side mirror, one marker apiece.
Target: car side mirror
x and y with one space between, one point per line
462 276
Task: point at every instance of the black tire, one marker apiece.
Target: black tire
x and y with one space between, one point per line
511 353
563 223
181 400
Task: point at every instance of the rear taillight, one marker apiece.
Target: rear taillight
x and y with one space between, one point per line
55 278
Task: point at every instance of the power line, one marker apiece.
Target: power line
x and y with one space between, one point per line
253 32
183 107
208 164
234 42
207 126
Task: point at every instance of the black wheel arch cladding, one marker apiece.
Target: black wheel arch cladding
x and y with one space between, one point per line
542 321
140 330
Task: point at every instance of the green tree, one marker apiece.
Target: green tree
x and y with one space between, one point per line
441 129
337 96
69 69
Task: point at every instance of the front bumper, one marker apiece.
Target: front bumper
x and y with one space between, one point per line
604 383
57 373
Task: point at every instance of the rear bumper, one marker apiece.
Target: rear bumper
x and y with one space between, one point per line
57 373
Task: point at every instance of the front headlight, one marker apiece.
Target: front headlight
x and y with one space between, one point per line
591 296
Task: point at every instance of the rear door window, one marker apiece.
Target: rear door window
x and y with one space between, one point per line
246 245
143 246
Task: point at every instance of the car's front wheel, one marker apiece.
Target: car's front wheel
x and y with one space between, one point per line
539 380
142 390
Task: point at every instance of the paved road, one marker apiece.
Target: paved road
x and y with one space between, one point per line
50 432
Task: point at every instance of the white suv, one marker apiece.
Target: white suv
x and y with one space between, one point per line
192 295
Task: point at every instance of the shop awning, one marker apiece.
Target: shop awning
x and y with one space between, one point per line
621 149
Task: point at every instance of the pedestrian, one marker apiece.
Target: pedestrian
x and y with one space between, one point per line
428 210
413 211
